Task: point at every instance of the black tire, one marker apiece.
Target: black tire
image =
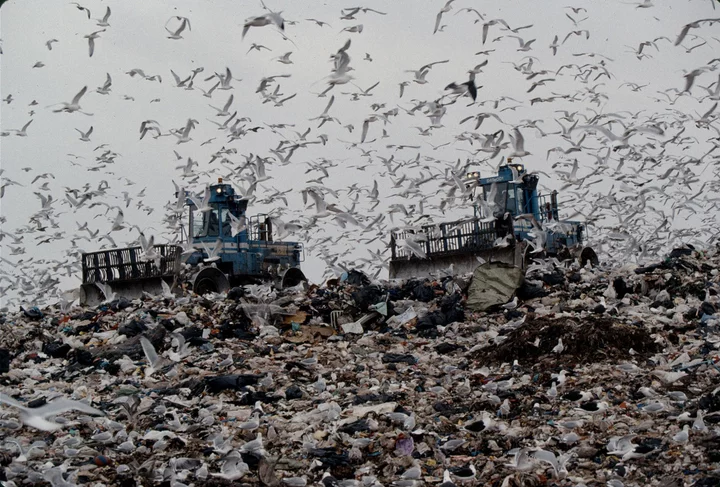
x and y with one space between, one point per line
210 280
292 277
589 255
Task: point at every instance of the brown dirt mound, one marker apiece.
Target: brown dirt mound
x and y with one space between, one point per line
594 340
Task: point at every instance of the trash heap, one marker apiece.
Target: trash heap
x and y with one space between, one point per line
565 376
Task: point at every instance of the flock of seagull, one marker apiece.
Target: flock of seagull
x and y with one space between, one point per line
658 170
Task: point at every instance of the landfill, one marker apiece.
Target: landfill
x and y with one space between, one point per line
581 376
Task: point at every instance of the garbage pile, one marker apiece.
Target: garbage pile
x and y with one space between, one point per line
572 376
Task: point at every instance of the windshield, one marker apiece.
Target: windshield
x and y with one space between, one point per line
205 224
496 195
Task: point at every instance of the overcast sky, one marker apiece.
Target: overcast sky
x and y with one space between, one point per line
387 48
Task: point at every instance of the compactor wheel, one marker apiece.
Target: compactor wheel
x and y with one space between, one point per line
210 280
588 255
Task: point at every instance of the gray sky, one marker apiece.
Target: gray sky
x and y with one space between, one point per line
401 40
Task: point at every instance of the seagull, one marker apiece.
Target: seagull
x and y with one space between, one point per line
693 25
74 105
204 204
353 29
213 253
85 136
285 58
224 112
104 21
258 47
559 347
263 20
105 88
521 459
524 46
319 23
438 18
557 463
118 222
468 87
81 8
593 407
91 40
682 436
154 361
554 46
50 43
184 22
37 417
107 291
237 225
184 136
23 131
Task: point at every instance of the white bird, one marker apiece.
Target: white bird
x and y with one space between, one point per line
237 225
438 18
285 58
699 423
213 254
263 20
512 304
558 464
107 291
184 22
91 40
37 417
105 88
412 473
85 136
151 355
203 204
233 467
23 131
183 348
104 21
118 222
559 347
255 446
184 136
518 142
225 111
74 105
521 459
682 436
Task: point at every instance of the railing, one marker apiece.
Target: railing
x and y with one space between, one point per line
260 234
445 238
548 207
128 264
260 228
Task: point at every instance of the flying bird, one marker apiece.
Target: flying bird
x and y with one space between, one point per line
184 22
37 417
85 136
91 40
74 105
438 18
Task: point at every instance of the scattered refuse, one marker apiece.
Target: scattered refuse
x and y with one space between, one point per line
493 284
378 381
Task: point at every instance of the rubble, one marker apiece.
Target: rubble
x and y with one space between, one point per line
613 373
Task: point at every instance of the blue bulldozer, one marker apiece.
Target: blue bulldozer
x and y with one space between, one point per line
512 223
225 248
